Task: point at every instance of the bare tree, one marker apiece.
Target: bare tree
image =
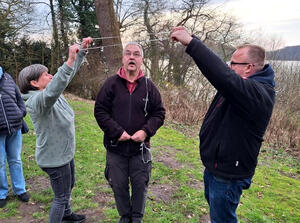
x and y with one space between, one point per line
127 13
14 17
166 61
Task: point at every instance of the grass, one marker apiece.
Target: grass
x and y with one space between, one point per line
176 187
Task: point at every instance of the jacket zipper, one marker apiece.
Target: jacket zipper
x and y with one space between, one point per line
4 113
129 121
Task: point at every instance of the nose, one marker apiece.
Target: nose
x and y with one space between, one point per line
131 56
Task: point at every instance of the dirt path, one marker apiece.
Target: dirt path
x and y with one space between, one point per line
31 212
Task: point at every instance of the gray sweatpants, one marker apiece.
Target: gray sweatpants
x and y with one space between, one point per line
121 170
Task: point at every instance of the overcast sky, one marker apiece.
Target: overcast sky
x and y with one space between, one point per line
277 18
280 18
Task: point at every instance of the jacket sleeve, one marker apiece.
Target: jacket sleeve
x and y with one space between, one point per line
246 95
156 112
20 101
46 98
103 111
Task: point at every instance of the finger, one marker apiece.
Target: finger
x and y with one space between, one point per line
178 28
77 49
173 37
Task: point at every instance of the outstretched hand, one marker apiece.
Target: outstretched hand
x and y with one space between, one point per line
181 35
86 42
74 49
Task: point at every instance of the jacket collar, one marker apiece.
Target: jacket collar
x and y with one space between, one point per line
265 76
122 74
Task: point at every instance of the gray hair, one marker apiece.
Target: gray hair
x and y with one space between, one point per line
29 73
136 44
256 55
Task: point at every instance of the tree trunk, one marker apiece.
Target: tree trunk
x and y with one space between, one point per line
55 54
63 22
109 27
153 50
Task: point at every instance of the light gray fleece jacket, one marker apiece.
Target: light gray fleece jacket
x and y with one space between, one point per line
53 118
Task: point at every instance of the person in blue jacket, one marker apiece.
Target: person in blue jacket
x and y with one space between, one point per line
233 128
12 111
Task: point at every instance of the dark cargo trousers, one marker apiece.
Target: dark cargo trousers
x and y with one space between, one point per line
121 170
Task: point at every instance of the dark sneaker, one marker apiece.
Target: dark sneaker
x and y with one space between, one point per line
124 219
78 218
23 197
2 203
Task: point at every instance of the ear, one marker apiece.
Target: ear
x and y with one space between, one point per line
249 69
34 84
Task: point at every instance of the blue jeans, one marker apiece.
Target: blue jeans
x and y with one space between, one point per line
62 182
10 149
223 197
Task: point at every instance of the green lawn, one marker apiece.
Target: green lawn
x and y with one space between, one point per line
176 187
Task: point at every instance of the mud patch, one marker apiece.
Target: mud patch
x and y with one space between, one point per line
167 157
196 184
93 215
290 175
161 192
26 210
103 199
38 184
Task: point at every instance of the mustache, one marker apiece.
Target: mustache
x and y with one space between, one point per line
132 62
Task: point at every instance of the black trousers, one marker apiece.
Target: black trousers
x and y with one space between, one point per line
62 182
120 171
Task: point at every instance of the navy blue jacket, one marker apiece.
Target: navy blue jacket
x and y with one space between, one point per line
12 108
116 111
235 123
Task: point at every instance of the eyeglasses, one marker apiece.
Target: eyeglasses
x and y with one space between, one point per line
237 63
135 54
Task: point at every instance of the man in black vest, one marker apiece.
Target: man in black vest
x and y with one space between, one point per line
233 128
129 110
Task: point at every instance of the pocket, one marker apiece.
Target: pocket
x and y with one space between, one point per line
234 193
41 141
147 172
114 143
106 175
146 154
221 180
24 128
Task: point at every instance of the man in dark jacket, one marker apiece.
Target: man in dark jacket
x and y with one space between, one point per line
129 110
12 111
233 128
